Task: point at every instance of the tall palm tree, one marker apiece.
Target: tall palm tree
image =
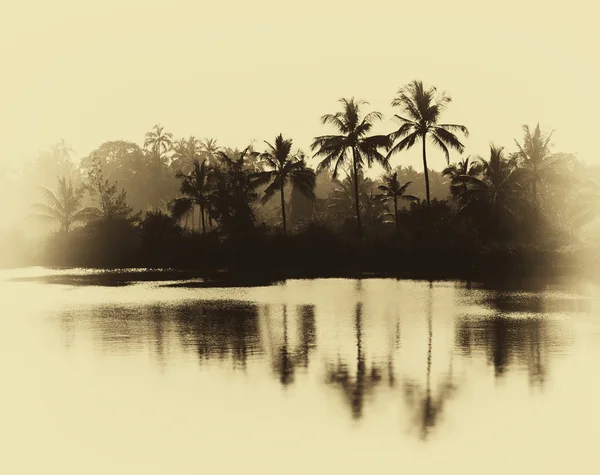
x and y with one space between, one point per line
353 138
497 194
465 166
534 155
195 190
285 167
423 108
159 143
64 206
392 189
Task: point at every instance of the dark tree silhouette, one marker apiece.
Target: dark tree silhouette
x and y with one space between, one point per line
284 167
466 166
353 144
423 109
495 197
392 189
195 190
234 190
159 143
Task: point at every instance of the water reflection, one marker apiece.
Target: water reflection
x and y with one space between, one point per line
220 330
355 388
427 407
509 340
286 357
354 350
519 332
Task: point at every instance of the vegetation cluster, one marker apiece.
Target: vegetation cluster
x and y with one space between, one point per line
192 204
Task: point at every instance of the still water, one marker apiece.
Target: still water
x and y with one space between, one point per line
305 376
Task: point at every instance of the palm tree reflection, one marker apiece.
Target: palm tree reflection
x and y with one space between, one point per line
355 389
220 330
287 359
507 341
285 363
426 406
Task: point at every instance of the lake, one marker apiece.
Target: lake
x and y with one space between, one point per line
302 376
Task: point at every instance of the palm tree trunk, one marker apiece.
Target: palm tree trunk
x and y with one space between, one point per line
535 200
283 211
158 178
356 203
193 217
396 212
426 172
202 215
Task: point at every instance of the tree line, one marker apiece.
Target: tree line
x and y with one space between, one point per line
195 187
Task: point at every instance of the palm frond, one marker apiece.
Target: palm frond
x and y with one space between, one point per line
406 143
305 182
180 207
86 214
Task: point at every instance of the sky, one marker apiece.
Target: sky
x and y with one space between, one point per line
246 71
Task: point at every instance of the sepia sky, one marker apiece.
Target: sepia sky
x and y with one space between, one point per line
241 71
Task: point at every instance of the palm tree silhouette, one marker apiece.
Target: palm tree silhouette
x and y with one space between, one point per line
466 166
534 156
184 153
195 190
497 194
423 109
64 206
158 142
209 148
284 167
234 189
393 190
353 138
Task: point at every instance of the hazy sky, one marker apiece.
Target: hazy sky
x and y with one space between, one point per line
241 71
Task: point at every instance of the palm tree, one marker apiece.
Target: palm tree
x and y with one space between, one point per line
284 168
423 109
341 198
209 148
465 166
392 189
65 205
234 189
353 138
158 142
195 190
179 155
497 194
184 153
534 155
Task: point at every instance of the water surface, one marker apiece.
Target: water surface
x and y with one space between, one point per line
304 376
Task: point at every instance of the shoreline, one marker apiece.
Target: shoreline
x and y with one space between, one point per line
199 278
